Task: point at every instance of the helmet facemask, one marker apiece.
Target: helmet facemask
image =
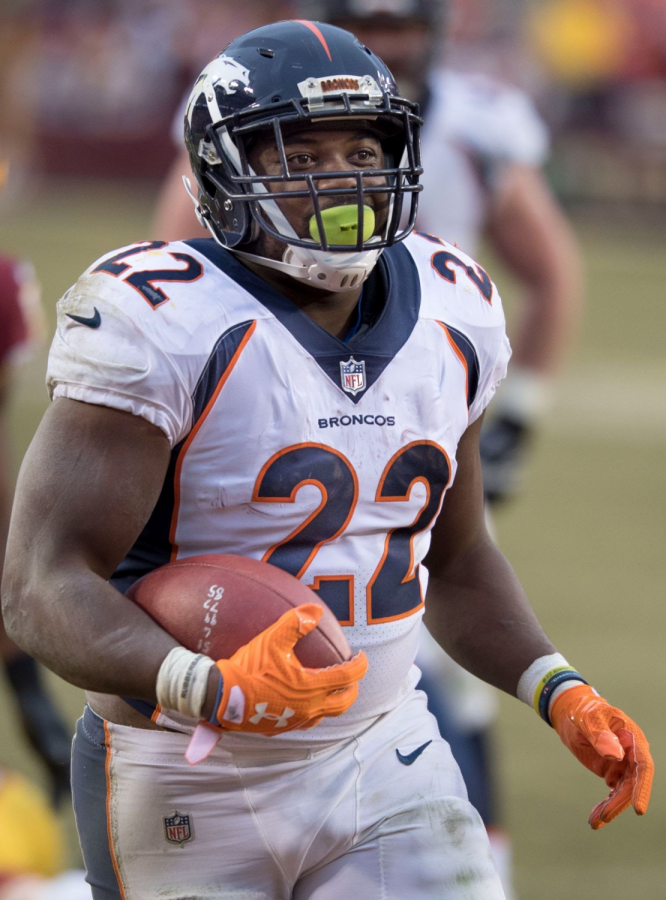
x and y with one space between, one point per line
341 249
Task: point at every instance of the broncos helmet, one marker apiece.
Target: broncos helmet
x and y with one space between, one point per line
291 74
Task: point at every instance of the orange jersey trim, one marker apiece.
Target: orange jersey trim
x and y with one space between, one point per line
461 358
195 430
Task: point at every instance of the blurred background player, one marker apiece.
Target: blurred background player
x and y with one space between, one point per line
21 328
32 846
483 146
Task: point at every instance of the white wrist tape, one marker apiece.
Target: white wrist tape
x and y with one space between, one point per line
547 672
182 681
524 395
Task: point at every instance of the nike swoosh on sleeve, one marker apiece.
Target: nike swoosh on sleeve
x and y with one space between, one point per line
93 321
408 758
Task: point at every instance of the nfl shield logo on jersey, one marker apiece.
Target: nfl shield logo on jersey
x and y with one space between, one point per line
178 828
352 376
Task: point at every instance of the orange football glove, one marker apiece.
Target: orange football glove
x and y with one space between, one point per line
267 690
609 744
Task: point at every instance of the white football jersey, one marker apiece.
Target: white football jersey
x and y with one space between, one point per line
474 127
327 459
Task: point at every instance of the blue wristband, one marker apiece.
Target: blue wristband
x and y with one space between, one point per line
549 687
218 697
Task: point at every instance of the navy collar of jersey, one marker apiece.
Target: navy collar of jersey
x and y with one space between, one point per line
375 346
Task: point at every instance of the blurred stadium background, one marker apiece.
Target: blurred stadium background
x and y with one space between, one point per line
87 93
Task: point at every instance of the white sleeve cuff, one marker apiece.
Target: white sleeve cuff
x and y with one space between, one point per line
105 397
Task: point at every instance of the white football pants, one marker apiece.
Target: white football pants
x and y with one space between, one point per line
382 816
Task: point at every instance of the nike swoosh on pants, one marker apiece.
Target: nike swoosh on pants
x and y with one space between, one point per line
409 758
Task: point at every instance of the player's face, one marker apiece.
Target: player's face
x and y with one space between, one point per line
323 149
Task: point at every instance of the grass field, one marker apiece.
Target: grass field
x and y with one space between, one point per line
586 538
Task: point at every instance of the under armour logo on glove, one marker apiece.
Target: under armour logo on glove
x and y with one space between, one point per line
281 721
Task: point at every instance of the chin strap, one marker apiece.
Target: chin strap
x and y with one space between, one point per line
328 272
323 270
197 207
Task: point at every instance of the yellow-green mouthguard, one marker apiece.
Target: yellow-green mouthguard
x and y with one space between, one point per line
341 224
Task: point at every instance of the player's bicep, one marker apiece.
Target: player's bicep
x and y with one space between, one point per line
88 484
461 523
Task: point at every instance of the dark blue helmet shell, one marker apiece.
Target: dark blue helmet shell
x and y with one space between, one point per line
286 73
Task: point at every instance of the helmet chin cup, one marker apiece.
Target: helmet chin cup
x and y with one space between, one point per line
329 271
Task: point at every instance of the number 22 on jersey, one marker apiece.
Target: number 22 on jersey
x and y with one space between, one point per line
394 590
143 280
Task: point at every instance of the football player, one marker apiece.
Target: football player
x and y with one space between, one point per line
21 328
306 387
483 144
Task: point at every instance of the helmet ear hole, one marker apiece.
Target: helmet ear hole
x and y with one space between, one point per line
208 186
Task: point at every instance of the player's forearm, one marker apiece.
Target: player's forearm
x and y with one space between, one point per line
550 307
535 241
8 650
479 613
83 629
79 507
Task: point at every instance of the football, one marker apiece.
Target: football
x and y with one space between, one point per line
215 603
